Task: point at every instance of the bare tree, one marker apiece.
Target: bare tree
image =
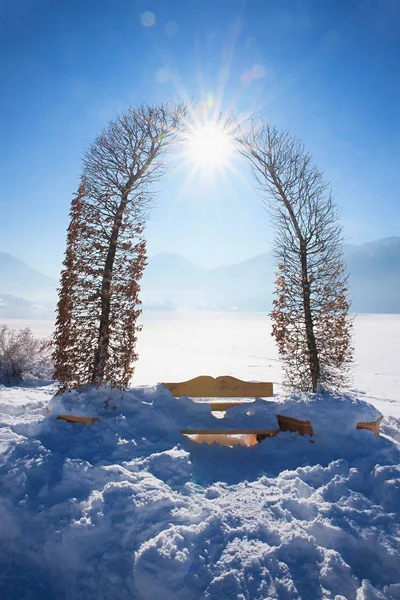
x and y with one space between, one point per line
310 317
106 253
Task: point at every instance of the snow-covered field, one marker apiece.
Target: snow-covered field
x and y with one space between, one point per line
175 346
129 508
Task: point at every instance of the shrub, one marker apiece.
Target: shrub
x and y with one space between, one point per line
24 356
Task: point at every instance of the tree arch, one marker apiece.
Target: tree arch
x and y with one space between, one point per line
98 308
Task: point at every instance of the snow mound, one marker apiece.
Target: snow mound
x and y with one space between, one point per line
129 508
326 412
338 414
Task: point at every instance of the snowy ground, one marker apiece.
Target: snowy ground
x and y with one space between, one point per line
175 346
128 508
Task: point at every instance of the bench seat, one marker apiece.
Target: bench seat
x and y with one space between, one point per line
255 435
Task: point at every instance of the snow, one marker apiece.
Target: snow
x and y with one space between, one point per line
175 346
129 508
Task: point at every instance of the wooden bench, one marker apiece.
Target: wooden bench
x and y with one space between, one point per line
224 386
230 387
221 387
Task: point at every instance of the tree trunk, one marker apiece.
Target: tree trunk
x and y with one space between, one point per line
101 352
305 285
311 343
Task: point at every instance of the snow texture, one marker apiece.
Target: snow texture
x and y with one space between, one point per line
129 508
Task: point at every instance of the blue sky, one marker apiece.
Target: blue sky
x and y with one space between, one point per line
326 69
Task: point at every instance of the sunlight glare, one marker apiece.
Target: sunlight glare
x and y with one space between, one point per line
209 145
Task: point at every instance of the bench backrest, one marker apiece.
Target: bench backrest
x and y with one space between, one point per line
220 387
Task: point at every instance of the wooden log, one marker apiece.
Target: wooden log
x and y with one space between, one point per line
291 424
225 386
78 419
371 425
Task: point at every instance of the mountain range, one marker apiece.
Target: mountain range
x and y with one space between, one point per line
24 291
172 282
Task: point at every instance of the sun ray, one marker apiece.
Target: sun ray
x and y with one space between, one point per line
208 145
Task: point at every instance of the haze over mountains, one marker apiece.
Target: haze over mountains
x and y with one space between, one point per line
24 291
172 282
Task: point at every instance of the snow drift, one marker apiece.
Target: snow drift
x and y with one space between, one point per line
129 508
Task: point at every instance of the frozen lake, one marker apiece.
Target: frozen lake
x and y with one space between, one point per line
180 345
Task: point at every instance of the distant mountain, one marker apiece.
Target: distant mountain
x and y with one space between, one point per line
19 279
171 271
24 291
375 275
172 282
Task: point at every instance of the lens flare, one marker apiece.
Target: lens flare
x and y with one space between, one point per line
209 145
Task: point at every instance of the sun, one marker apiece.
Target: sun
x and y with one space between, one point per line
209 146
